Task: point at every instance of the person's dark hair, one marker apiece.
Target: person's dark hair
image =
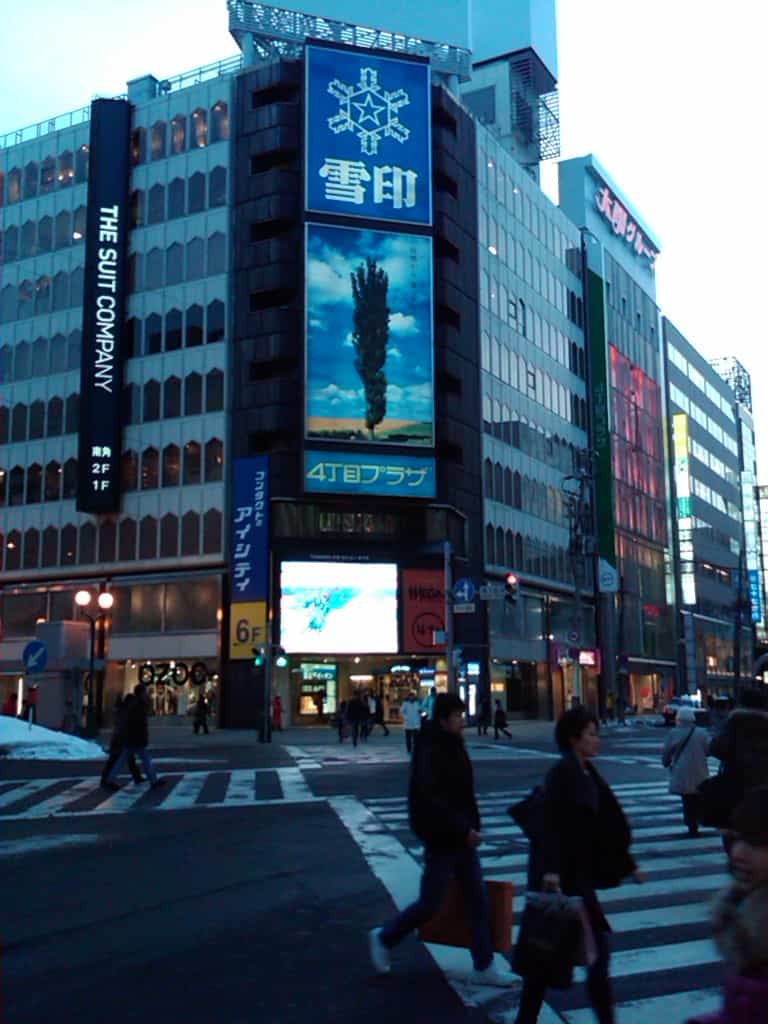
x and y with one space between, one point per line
140 689
754 699
446 704
750 819
571 725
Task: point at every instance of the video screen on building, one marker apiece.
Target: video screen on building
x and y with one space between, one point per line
338 607
369 337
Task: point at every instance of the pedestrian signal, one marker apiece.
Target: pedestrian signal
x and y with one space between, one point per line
281 658
511 587
258 656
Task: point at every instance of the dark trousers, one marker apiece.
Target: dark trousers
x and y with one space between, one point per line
200 723
691 803
501 728
383 726
482 727
115 750
410 739
598 987
358 731
439 869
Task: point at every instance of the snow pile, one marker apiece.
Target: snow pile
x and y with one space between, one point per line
34 743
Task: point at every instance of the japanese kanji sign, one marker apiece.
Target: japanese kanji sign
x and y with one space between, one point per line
623 225
368 135
370 473
249 539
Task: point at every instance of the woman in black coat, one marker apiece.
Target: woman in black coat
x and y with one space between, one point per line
582 846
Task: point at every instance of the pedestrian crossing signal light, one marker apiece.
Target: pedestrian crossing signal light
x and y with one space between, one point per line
511 587
281 658
258 656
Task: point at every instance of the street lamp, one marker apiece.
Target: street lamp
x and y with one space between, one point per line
105 602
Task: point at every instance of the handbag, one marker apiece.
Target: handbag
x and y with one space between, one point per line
530 814
718 796
551 939
678 753
451 925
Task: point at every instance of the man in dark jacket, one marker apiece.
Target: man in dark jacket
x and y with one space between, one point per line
122 708
135 739
357 716
444 816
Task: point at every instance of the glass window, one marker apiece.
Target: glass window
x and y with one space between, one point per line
190 533
195 259
11 244
6 364
81 164
172 330
192 463
14 185
47 175
212 532
199 128
60 291
63 235
174 264
219 121
153 335
35 483
136 208
138 146
129 471
42 295
176 198
50 546
178 134
21 611
30 180
194 332
87 557
217 187
196 196
171 398
16 486
19 422
214 391
74 346
108 547
52 481
8 304
76 285
156 204
217 256
66 173
157 141
72 414
215 321
151 410
169 536
44 235
127 540
214 460
138 608
36 420
193 394
55 417
171 466
191 607
149 469
28 239
148 538
154 269
68 545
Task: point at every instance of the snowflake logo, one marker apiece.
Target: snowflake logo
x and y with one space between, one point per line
368 111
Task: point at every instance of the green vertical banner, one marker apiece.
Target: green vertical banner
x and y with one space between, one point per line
599 369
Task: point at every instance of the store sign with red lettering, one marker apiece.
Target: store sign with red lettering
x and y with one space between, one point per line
423 604
622 224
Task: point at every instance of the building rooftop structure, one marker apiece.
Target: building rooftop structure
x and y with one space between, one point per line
737 376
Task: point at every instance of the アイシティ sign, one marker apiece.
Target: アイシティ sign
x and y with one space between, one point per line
410 476
249 541
368 141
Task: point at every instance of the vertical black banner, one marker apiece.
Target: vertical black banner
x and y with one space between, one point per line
104 296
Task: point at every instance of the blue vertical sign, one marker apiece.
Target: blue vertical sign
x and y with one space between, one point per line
250 530
368 138
755 595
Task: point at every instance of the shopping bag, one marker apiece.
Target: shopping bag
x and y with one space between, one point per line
551 940
451 925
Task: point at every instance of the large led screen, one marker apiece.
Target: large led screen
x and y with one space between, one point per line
369 337
338 608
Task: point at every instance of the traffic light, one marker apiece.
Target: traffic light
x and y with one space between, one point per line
511 587
281 658
258 656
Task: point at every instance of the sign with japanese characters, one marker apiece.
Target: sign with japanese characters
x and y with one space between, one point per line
100 430
686 560
249 540
247 628
623 225
369 337
397 476
368 143
422 598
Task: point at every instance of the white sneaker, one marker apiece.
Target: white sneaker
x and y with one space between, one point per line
379 952
495 976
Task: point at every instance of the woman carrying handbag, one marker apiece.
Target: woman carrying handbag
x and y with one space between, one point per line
685 754
580 842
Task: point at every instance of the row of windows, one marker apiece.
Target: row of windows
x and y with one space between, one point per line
43 296
640 514
39 419
149 538
716 465
154 333
713 498
696 413
515 314
173 398
181 134
41 357
527 437
724 404
159 268
181 198
35 238
175 466
52 172
526 554
513 369
523 493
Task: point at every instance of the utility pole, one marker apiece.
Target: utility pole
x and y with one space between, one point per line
577 488
737 625
448 582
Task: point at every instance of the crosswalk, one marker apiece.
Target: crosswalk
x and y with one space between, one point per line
79 797
341 754
664 965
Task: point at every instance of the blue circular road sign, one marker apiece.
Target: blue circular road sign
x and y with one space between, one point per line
35 656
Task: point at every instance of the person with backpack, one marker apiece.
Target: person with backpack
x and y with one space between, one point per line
500 722
685 754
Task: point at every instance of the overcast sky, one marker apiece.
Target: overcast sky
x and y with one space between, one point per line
668 94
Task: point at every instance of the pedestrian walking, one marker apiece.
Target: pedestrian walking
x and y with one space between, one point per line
117 743
411 713
378 715
428 707
685 754
201 713
740 918
444 816
500 722
370 719
135 739
10 704
357 716
341 720
742 749
484 715
581 845
277 713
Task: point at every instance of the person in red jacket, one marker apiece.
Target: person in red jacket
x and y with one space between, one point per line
9 704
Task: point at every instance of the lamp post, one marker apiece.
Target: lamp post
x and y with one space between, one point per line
105 601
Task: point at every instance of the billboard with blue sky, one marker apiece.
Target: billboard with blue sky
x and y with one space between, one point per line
368 149
369 337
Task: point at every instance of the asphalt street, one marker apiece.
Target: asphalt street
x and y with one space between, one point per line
242 890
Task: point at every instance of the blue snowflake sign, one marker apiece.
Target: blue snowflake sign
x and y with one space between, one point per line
368 140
